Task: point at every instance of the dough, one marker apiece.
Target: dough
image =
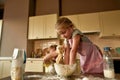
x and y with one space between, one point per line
85 78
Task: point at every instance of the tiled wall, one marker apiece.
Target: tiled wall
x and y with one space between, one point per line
102 42
44 43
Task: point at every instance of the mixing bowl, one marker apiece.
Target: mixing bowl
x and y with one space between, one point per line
65 70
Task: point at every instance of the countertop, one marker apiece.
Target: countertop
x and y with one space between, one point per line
43 76
10 58
5 58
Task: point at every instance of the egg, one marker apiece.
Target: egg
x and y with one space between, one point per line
85 78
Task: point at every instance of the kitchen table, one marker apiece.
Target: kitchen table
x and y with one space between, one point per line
44 76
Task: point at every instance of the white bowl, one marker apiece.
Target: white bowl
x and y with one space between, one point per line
65 70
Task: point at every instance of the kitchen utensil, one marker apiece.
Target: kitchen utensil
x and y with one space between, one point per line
64 70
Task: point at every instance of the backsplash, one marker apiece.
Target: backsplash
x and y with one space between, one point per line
44 43
112 42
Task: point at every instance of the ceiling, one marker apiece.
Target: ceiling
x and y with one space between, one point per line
2 2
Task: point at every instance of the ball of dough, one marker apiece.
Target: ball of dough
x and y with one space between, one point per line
85 78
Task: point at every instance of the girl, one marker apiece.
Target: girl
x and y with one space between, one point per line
91 59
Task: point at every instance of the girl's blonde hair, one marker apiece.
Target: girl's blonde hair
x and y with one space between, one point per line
63 23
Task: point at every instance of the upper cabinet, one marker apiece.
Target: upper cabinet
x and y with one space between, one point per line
86 22
1 21
35 30
107 23
110 23
42 27
89 22
49 29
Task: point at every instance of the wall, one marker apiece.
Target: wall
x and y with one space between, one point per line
67 7
44 43
47 7
103 42
87 6
15 26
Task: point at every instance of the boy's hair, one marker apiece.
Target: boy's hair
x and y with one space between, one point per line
53 47
63 23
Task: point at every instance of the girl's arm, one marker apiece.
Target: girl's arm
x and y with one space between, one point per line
66 54
73 51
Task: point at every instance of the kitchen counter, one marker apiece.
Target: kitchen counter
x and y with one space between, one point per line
42 76
10 58
5 58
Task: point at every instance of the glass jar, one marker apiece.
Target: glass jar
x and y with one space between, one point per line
18 64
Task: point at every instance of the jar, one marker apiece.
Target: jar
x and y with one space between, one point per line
18 64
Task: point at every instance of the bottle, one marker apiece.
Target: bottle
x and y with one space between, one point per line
18 64
108 66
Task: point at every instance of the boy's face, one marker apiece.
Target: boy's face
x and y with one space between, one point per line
65 33
51 49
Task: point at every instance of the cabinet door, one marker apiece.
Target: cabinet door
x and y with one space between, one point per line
6 69
49 23
34 66
1 69
39 27
36 26
89 22
0 27
110 23
31 28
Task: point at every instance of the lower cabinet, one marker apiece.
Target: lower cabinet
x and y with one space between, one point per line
1 69
34 65
5 67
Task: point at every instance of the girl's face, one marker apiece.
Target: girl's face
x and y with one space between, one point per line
65 33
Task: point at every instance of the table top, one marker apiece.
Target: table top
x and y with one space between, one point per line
44 76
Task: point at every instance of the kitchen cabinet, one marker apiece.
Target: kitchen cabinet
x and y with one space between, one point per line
49 31
5 67
34 65
35 27
89 22
1 69
42 27
0 26
110 23
86 22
